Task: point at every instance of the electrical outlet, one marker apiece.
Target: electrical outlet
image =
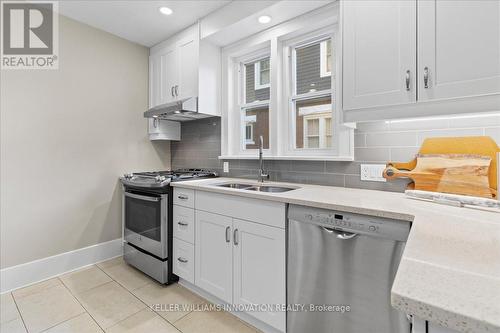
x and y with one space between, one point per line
225 166
372 172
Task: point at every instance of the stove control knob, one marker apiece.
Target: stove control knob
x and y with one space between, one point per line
160 179
372 228
127 176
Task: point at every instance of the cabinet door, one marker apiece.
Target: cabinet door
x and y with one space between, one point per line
259 268
213 255
187 85
169 74
379 53
154 80
459 48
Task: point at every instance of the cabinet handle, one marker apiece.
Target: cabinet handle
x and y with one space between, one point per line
176 90
228 234
426 77
182 224
172 91
183 197
181 259
408 80
235 237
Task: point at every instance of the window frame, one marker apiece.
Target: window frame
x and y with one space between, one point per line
241 62
276 41
291 97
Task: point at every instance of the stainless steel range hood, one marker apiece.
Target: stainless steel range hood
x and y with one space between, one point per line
182 110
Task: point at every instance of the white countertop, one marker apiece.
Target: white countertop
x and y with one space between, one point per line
450 270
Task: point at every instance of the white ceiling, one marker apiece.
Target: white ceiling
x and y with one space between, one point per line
139 21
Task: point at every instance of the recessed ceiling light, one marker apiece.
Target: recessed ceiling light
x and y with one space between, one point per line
264 19
165 10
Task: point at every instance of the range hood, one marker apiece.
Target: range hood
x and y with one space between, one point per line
182 110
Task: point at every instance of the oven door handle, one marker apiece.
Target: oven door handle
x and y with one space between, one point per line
142 197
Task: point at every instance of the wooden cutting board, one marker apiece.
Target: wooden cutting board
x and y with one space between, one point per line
448 173
474 145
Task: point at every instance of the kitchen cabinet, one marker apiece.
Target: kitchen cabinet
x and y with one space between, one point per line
411 58
239 249
458 48
382 70
213 254
259 268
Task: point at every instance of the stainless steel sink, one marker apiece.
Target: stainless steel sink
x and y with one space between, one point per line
259 188
270 189
235 185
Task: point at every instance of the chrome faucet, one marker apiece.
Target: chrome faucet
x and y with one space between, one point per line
262 174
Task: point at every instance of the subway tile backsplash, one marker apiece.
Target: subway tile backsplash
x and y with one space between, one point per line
375 142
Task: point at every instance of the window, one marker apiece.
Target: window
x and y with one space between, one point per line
279 85
254 104
262 74
311 96
326 58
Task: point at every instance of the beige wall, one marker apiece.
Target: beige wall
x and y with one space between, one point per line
66 137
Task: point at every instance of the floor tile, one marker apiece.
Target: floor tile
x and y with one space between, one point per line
85 279
13 326
110 262
142 322
161 295
128 276
8 308
35 288
212 322
48 308
80 324
110 303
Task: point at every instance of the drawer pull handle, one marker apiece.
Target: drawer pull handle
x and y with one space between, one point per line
182 224
228 234
426 77
183 197
408 80
181 259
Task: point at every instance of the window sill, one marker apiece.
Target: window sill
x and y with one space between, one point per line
289 158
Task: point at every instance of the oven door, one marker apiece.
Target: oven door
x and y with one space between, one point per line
145 221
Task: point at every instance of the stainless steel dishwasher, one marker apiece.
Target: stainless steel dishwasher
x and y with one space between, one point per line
342 259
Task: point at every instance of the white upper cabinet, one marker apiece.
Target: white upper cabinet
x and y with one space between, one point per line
185 66
395 67
458 48
379 53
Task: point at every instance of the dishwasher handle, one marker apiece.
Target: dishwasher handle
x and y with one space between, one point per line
340 234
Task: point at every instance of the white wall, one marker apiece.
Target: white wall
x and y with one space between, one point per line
66 137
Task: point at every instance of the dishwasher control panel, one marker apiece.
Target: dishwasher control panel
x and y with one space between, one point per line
351 222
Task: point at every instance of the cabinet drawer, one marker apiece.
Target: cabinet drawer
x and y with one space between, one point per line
184 223
183 260
261 211
184 197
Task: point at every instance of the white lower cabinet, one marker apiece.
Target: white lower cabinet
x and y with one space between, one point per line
238 261
214 257
259 269
183 260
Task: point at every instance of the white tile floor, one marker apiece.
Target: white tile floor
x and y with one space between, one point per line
109 297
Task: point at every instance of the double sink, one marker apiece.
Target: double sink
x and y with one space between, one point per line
258 188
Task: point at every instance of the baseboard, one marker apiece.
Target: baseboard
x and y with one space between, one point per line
241 315
42 269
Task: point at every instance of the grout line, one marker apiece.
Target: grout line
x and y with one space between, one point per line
62 322
19 311
84 308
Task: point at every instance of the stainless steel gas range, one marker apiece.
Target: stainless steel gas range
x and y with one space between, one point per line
147 219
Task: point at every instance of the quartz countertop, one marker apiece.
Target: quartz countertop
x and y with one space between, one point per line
450 269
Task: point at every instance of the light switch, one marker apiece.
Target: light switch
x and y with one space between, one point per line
225 167
372 172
